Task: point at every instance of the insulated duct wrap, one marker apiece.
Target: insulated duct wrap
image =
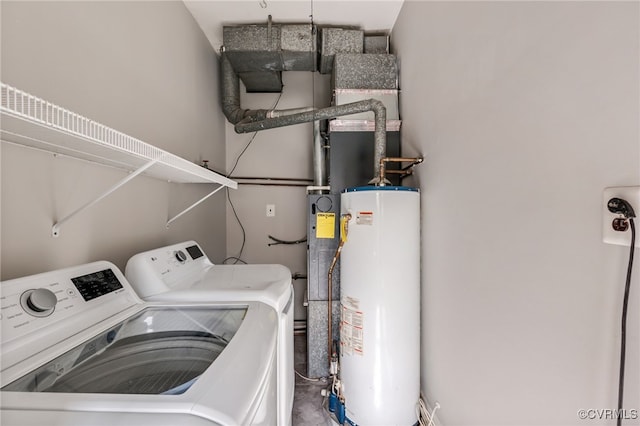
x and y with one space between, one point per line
231 95
259 51
249 124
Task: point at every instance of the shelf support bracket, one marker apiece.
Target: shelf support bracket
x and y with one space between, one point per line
55 230
195 204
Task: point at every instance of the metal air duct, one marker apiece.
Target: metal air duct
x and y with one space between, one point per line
255 122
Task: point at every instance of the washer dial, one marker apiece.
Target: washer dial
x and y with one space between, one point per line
39 302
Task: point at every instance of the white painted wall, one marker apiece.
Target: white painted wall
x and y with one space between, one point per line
144 68
525 111
277 153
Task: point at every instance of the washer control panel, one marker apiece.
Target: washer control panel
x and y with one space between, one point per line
39 302
84 295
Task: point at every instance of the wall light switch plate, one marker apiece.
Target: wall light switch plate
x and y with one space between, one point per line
609 235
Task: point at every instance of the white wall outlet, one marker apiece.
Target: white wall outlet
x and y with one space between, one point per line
632 195
271 210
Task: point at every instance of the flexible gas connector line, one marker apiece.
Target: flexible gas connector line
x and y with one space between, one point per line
344 229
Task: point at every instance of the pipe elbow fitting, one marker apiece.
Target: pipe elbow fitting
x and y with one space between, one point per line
233 113
377 105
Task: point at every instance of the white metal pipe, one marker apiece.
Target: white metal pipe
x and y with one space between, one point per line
274 113
319 163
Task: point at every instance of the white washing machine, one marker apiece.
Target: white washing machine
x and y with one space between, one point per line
80 348
182 272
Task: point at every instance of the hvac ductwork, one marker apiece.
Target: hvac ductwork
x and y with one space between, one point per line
249 124
290 48
246 120
231 96
231 99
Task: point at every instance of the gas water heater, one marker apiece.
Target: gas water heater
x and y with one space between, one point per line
380 305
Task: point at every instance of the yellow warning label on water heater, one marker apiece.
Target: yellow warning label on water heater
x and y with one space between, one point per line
325 225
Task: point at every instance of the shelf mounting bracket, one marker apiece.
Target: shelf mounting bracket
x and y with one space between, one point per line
55 230
194 205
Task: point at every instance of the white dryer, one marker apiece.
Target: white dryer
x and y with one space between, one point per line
182 272
80 348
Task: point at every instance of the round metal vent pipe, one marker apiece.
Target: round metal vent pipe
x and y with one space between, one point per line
254 124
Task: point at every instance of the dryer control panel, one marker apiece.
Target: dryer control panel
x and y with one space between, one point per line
167 268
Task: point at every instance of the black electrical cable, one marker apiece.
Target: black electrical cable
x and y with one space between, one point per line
237 259
242 153
244 234
275 105
623 341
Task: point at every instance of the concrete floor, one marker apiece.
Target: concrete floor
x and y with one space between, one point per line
307 402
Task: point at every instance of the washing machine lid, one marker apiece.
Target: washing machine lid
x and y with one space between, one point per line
269 284
159 350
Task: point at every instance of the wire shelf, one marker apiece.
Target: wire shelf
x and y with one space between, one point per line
31 121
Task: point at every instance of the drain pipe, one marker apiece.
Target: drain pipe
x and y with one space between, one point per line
254 123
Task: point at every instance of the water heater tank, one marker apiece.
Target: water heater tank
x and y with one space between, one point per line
380 303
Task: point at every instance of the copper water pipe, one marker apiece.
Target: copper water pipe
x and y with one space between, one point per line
384 160
347 218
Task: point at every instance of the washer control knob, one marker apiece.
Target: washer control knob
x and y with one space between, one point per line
39 302
181 256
